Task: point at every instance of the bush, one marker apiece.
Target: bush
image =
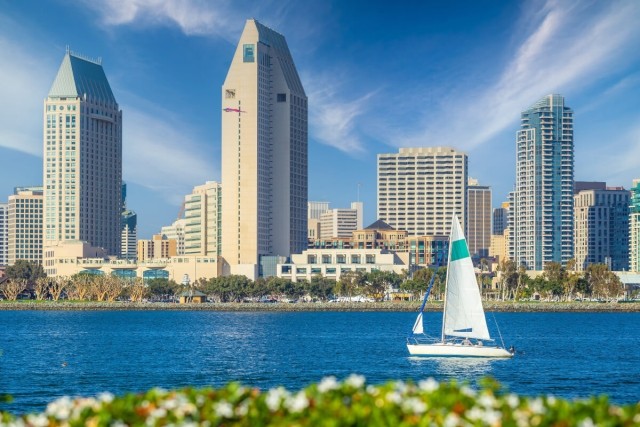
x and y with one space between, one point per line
332 403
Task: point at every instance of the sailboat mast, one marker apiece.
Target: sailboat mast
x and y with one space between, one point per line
446 282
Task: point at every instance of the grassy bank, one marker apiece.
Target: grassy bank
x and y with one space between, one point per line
495 306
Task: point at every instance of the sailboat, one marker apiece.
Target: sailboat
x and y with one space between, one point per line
464 326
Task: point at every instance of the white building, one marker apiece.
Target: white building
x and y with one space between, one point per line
420 189
4 234
25 225
82 165
264 152
341 223
315 209
543 198
175 231
202 215
331 263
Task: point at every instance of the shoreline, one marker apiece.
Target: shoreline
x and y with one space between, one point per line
413 306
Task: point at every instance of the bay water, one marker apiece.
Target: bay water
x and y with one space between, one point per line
49 354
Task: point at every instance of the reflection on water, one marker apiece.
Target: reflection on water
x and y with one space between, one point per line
445 368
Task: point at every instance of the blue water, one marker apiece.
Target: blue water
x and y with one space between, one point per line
47 354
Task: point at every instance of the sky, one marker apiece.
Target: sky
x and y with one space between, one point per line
378 76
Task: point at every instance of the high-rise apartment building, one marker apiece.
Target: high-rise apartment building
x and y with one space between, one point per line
175 231
543 205
478 218
25 225
601 228
338 223
420 189
264 152
202 219
82 165
634 226
4 234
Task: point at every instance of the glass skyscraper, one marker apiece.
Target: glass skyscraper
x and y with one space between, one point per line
543 198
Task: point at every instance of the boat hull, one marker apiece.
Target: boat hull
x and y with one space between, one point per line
456 350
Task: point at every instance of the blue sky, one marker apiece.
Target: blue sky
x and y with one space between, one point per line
379 75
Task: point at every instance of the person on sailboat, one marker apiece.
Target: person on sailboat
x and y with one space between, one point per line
512 350
466 342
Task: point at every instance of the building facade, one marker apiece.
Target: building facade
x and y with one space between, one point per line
499 219
420 189
159 247
601 224
202 220
264 152
129 227
315 209
175 231
479 212
25 225
82 165
634 226
4 234
543 205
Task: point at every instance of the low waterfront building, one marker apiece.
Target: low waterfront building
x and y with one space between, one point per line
192 296
332 263
426 251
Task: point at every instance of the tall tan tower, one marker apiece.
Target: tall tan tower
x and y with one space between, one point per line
264 153
82 164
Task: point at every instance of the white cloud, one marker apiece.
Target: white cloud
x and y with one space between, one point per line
570 49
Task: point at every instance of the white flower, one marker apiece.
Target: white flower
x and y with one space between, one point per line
355 380
587 422
492 417
327 384
429 385
414 405
105 397
60 408
400 387
158 413
394 397
224 409
551 400
536 406
298 403
487 400
39 420
242 409
451 420
373 390
512 400
274 397
467 391
474 413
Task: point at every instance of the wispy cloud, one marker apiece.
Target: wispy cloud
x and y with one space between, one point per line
569 48
333 119
160 155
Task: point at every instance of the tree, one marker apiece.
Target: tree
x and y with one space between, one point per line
80 286
114 286
13 287
41 288
554 272
603 282
57 286
28 270
349 282
320 287
162 288
137 289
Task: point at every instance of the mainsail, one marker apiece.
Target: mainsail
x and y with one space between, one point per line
418 327
463 312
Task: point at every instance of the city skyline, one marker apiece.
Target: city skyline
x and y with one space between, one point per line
370 91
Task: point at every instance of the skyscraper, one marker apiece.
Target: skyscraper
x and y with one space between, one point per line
500 219
202 220
264 152
478 219
129 229
419 189
634 226
82 165
543 222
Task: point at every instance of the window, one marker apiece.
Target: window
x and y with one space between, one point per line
282 97
248 53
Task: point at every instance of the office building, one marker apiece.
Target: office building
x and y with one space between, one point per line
129 229
543 199
478 219
4 234
159 247
203 212
601 228
315 209
264 152
634 226
500 219
175 231
420 189
25 225
340 223
82 165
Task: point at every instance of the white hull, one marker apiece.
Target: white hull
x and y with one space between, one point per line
456 350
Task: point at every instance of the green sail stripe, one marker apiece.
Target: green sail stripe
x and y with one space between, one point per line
459 250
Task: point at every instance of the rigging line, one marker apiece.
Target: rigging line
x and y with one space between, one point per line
498 327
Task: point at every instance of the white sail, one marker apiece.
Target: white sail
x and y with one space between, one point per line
463 312
418 327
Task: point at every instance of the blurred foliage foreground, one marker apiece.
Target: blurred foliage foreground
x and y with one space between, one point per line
332 403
